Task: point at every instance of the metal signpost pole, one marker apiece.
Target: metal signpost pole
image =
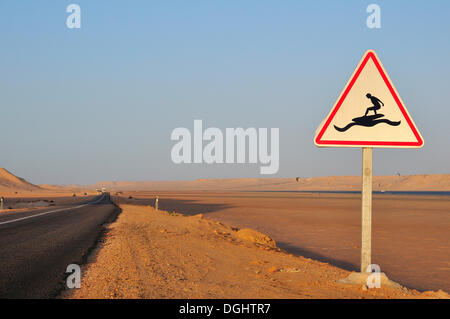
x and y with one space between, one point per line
366 211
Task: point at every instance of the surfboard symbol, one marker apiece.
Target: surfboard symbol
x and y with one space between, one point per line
368 121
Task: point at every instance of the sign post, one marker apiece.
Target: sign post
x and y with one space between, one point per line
369 113
366 211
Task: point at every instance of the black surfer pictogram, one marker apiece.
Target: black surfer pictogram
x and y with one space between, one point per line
369 120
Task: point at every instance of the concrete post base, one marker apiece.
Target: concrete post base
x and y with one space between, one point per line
360 278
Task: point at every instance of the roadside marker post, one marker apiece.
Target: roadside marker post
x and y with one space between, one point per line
356 121
2 199
156 202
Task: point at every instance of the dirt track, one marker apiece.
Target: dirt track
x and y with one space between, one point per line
411 237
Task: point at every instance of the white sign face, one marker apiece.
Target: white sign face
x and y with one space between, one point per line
369 112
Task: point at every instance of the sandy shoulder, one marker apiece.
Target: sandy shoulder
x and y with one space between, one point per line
150 254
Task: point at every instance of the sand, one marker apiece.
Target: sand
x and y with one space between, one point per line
10 184
411 241
21 193
330 183
151 254
411 238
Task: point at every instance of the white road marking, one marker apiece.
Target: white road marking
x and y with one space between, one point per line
51 212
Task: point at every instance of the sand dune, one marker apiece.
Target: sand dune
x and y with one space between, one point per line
331 183
12 186
11 183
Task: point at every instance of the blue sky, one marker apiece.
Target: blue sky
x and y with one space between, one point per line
100 102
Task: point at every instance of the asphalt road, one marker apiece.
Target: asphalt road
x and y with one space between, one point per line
37 246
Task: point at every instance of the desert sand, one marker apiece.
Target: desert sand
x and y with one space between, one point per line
158 254
329 183
11 184
411 238
20 194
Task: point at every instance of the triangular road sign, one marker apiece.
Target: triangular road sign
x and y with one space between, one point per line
369 112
